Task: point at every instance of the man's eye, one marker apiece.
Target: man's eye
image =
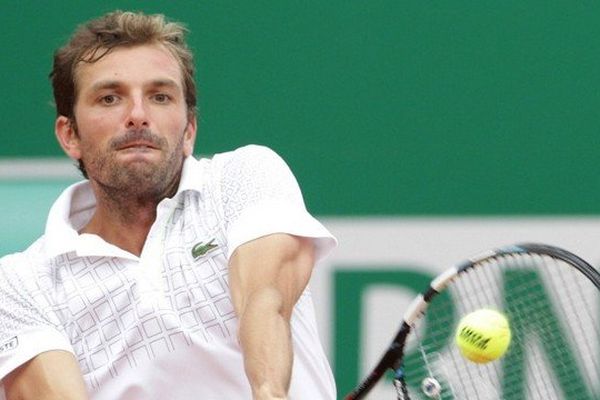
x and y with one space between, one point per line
161 98
108 99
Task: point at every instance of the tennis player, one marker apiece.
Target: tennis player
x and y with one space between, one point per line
159 276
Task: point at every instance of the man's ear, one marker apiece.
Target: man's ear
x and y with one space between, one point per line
189 136
67 136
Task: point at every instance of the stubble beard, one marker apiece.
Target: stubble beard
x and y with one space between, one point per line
137 182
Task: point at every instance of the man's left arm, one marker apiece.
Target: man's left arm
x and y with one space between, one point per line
267 277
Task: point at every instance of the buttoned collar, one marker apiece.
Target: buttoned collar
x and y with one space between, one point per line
73 209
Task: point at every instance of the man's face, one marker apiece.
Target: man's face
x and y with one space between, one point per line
132 127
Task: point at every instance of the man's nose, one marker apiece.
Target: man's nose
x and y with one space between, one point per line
138 115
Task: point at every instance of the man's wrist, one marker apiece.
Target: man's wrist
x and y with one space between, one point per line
265 393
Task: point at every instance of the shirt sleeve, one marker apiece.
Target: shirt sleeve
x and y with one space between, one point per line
260 196
28 325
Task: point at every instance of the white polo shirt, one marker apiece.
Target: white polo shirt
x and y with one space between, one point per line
161 325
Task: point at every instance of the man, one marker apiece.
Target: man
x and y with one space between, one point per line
159 277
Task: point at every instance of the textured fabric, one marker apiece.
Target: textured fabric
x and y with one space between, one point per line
161 325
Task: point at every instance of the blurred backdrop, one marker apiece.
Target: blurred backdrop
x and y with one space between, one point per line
419 131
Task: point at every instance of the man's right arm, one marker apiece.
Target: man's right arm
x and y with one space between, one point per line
52 375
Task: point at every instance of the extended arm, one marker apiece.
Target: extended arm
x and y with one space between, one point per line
53 375
267 277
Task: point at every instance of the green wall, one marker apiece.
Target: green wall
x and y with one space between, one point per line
380 107
24 208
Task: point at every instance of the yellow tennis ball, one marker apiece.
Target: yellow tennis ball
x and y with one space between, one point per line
483 335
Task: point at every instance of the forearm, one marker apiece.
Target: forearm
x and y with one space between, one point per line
265 338
53 375
267 277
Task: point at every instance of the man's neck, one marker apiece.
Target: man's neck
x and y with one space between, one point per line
124 217
124 227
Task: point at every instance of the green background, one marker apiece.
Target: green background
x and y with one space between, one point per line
380 107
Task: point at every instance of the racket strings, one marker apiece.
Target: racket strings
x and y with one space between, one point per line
465 287
552 307
583 321
560 279
592 329
540 377
425 357
481 380
582 312
559 315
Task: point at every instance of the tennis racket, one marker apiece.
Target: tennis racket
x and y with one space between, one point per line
551 299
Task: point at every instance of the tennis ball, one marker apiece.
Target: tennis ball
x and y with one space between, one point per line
483 335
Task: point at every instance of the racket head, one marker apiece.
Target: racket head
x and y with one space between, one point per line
551 298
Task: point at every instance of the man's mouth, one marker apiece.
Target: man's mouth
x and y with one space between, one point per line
142 140
138 145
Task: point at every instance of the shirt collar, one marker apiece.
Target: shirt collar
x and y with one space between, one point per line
192 175
75 206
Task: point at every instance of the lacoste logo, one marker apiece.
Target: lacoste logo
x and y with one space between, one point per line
201 249
9 344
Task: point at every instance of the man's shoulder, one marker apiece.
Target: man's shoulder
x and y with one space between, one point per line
27 260
229 170
249 150
244 156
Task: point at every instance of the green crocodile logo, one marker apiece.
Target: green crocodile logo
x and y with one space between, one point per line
201 248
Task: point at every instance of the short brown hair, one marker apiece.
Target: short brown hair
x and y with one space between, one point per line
98 37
